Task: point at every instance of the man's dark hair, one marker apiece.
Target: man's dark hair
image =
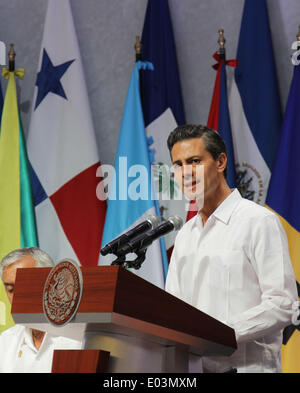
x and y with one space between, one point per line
214 144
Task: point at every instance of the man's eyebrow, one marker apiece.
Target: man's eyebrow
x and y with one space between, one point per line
8 283
199 157
176 162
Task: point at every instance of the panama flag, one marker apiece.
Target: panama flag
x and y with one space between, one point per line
162 105
62 147
17 219
283 198
131 197
254 105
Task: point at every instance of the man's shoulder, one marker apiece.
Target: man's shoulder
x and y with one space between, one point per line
10 337
252 209
15 330
62 342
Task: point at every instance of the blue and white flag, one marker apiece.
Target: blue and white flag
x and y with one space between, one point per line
254 104
162 104
131 197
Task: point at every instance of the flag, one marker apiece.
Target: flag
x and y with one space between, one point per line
131 197
17 219
219 118
3 298
162 105
1 102
283 198
62 147
254 105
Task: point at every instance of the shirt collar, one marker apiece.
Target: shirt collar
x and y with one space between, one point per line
28 340
226 208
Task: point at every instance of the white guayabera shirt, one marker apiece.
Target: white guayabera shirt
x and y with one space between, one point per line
237 269
19 355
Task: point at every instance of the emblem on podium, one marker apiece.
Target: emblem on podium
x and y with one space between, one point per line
62 292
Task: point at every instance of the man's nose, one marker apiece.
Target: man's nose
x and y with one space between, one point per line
187 171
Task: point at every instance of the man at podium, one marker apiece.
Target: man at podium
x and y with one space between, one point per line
23 349
231 260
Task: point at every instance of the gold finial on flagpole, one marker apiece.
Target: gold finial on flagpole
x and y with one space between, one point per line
11 58
138 48
221 42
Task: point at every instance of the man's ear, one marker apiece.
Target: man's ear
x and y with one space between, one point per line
222 162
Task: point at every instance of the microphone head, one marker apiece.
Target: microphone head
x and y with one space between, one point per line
106 249
153 220
176 221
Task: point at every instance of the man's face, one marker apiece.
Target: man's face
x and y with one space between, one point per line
188 156
10 272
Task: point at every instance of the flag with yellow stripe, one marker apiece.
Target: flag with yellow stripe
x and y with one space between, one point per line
17 220
283 198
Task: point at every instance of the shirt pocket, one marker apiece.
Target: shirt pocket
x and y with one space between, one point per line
225 279
226 269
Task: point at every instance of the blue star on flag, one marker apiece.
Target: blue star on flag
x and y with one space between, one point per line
48 78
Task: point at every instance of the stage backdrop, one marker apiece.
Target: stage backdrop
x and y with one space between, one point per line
106 33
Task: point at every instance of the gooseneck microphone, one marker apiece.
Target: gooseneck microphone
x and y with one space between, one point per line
112 247
143 241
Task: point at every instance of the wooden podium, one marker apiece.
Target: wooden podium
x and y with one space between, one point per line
144 328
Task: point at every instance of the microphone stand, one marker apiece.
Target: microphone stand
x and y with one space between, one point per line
136 263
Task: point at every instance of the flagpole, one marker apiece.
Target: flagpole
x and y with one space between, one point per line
298 37
138 57
11 58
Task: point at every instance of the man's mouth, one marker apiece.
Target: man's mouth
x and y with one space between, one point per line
191 184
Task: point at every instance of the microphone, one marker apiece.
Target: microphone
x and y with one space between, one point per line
144 240
113 246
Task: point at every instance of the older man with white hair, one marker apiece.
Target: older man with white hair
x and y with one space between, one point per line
23 349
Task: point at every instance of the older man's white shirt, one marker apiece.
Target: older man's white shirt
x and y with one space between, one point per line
19 355
237 269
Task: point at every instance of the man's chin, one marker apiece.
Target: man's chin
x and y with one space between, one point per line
195 197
